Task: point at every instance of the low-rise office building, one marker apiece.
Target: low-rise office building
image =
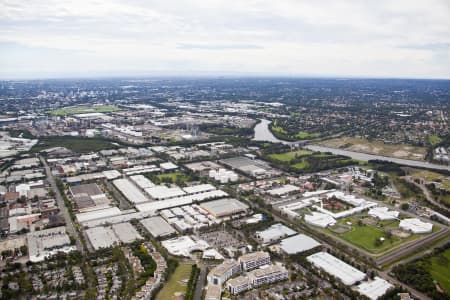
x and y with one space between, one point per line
254 260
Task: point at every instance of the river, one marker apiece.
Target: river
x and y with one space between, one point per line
262 133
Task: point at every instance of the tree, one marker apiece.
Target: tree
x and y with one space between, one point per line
404 206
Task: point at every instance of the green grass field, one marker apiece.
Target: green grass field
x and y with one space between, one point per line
83 109
301 165
76 144
288 156
434 140
175 283
279 130
439 269
305 135
364 236
173 176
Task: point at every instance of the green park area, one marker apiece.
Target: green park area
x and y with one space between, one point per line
434 140
76 144
177 283
305 135
367 233
73 110
308 161
439 268
288 156
173 177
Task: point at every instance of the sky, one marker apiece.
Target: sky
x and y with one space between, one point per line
361 38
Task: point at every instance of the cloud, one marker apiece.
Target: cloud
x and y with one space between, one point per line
292 37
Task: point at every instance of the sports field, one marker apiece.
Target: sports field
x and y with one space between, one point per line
177 283
67 111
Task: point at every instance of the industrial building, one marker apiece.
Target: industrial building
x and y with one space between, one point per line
224 207
126 232
283 190
142 181
102 237
319 219
375 288
180 201
157 227
48 242
274 233
130 191
383 213
415 225
297 244
184 245
336 267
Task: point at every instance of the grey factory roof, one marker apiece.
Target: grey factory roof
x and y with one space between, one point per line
157 226
298 243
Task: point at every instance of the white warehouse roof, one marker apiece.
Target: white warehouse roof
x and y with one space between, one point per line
157 226
383 213
374 289
285 189
200 188
319 219
415 225
298 243
160 192
180 201
275 233
336 267
142 181
130 191
98 214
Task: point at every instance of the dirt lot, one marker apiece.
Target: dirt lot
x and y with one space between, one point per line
376 147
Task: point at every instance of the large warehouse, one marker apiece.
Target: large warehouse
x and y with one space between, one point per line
157 227
130 191
297 244
224 207
336 267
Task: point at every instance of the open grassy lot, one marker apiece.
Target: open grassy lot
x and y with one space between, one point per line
83 109
288 156
308 161
177 283
364 235
76 144
439 268
305 135
171 177
430 176
376 147
434 140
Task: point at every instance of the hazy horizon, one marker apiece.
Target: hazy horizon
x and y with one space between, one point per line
104 38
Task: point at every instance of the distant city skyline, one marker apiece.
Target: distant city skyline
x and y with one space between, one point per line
394 39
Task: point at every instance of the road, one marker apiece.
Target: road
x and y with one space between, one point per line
412 246
426 192
382 274
200 283
367 157
62 206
